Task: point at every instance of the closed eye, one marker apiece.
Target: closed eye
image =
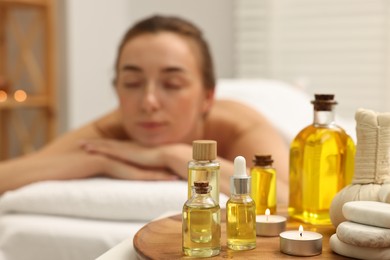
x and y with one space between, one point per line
172 86
135 84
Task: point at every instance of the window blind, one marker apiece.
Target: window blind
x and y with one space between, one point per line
335 46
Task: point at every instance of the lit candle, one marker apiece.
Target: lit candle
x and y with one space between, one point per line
300 243
270 225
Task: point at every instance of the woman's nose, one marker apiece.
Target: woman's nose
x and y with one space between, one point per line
150 101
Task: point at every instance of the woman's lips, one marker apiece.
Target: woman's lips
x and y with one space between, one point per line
152 125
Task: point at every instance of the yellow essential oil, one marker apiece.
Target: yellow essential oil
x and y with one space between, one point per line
240 210
321 164
241 225
263 188
204 167
201 223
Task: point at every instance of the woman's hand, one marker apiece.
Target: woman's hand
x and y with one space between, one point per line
125 151
126 155
122 170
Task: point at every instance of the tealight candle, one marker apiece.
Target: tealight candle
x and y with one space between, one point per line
301 243
270 225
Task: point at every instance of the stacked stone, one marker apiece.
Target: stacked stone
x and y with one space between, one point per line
366 233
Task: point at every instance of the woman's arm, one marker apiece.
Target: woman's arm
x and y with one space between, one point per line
172 157
32 168
64 159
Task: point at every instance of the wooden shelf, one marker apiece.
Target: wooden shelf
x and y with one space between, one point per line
31 102
39 3
27 62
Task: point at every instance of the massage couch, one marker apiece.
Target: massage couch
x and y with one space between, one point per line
82 219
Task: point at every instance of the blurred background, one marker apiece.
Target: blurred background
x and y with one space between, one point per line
57 56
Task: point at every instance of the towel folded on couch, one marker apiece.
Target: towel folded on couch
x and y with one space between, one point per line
98 198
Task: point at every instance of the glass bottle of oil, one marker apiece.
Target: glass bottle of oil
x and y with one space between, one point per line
321 164
201 223
204 167
240 210
263 190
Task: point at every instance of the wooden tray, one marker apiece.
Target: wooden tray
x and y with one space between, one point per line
162 239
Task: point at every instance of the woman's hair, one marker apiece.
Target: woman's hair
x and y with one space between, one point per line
181 27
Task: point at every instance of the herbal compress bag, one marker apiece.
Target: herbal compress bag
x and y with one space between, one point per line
371 181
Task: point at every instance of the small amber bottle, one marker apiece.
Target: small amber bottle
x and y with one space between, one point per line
321 164
201 220
263 190
204 166
240 210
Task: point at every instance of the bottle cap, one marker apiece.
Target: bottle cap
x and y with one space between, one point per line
203 150
323 102
240 181
263 160
201 187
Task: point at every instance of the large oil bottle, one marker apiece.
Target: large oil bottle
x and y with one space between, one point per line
321 164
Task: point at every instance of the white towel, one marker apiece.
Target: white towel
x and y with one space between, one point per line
97 198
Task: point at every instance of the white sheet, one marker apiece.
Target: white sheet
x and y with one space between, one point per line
61 238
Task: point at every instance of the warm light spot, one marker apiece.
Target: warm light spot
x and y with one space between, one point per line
3 96
300 230
20 95
267 213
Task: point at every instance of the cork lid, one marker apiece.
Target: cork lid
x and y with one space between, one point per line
201 187
323 102
204 150
263 160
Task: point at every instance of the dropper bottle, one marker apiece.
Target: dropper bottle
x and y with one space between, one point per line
240 210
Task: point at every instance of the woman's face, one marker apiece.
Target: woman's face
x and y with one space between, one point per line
160 89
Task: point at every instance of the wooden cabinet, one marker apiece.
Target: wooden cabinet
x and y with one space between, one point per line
27 76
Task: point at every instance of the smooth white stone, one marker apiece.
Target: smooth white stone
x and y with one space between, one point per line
367 192
358 252
368 212
363 235
384 193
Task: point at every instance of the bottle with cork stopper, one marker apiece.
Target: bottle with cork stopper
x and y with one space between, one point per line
263 184
321 164
204 166
201 223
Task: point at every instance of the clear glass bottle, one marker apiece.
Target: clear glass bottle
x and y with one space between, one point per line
263 190
321 164
201 223
240 210
204 167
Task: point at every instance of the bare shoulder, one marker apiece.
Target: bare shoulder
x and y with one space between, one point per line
230 120
236 113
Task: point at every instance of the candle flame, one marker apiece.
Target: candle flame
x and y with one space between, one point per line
267 213
300 230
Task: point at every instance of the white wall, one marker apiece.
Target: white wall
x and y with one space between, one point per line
94 29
